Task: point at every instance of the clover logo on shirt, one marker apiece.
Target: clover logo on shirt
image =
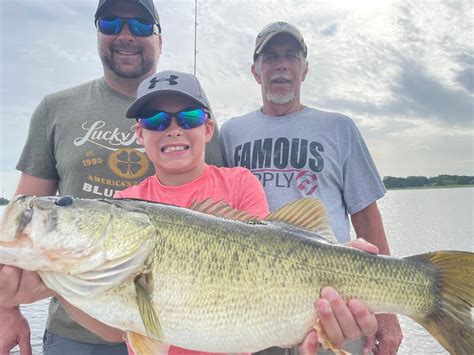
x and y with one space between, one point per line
129 163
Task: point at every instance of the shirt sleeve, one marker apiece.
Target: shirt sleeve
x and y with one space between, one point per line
250 195
129 192
37 158
213 149
362 183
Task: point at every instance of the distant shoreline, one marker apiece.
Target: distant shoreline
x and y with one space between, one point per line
427 187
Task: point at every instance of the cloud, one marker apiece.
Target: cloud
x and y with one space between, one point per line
403 70
424 96
329 31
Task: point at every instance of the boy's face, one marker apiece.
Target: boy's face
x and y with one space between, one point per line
176 153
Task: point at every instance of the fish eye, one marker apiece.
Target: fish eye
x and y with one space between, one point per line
65 201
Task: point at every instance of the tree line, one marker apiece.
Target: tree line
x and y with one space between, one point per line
391 182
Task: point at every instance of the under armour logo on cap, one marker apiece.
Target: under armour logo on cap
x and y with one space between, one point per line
171 79
168 82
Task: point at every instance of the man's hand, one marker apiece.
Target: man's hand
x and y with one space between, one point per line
389 335
342 320
19 286
14 329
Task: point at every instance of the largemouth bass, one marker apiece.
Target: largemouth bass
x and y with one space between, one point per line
214 279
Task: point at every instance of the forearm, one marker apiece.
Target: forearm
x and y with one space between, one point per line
106 332
368 225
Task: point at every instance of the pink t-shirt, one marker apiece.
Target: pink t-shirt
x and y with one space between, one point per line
237 186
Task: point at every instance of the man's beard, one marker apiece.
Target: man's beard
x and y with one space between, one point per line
280 99
143 66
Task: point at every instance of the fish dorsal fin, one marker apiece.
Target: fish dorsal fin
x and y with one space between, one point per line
221 209
307 213
145 305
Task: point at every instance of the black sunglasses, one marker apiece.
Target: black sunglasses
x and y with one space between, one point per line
112 25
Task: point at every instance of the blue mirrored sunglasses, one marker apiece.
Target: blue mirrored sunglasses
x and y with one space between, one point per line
156 120
138 26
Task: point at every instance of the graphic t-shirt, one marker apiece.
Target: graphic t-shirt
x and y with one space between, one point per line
310 153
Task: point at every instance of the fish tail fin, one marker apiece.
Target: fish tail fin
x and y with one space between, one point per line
451 321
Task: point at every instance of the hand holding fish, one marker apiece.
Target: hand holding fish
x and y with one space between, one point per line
20 286
342 321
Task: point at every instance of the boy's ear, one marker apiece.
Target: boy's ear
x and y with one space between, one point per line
209 130
139 131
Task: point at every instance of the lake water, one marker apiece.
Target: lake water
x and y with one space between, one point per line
416 221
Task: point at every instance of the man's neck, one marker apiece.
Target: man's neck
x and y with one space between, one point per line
272 109
125 86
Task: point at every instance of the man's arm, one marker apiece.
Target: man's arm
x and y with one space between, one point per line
18 286
33 186
368 225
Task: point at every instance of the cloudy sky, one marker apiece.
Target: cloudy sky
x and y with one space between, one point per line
403 70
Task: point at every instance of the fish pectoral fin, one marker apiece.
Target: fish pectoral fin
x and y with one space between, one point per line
222 209
144 345
307 213
324 339
145 305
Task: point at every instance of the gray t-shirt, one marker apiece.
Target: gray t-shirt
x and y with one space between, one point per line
310 153
81 138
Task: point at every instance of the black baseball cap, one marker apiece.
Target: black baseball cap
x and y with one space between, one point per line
146 4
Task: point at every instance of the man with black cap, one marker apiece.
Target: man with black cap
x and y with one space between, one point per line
80 143
297 151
